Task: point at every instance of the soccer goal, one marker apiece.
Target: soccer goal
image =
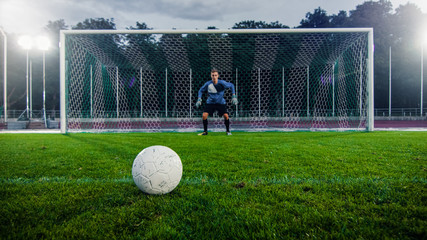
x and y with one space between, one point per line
285 79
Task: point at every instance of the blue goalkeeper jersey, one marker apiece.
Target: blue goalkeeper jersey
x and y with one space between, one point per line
216 91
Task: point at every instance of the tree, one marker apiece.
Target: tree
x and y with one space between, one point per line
141 39
16 85
140 26
339 20
251 24
52 30
318 19
376 15
408 23
407 36
371 14
56 26
96 23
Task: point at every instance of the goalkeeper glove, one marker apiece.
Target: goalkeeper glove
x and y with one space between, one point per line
234 100
198 103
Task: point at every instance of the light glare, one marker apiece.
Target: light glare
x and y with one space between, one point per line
43 43
25 42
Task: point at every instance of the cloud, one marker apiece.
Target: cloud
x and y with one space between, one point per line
184 9
33 15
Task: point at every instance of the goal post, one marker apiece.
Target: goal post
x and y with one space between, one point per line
286 79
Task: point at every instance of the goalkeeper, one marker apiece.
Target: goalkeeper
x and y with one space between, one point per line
216 101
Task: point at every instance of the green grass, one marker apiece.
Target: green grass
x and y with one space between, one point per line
296 185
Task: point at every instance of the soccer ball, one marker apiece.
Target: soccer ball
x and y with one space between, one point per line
157 170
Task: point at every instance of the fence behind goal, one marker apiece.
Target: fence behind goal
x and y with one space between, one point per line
147 80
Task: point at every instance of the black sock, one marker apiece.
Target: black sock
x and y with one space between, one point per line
227 124
205 125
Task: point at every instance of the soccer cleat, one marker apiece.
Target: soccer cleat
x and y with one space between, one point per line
203 133
229 134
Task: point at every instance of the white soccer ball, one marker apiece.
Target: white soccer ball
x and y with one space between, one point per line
157 170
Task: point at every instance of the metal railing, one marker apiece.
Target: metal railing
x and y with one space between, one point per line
379 112
36 114
400 112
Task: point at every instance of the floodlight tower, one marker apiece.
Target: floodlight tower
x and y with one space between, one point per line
26 43
423 42
44 44
4 73
389 81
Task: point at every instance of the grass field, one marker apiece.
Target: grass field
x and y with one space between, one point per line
340 185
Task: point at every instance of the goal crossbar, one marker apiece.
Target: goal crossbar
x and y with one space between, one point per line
221 31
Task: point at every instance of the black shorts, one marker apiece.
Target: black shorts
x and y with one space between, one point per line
211 108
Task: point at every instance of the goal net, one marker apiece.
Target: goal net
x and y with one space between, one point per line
285 79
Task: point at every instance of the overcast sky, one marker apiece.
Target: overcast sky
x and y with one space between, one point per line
31 16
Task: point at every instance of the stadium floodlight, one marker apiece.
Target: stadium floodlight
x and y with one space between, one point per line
26 42
43 44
